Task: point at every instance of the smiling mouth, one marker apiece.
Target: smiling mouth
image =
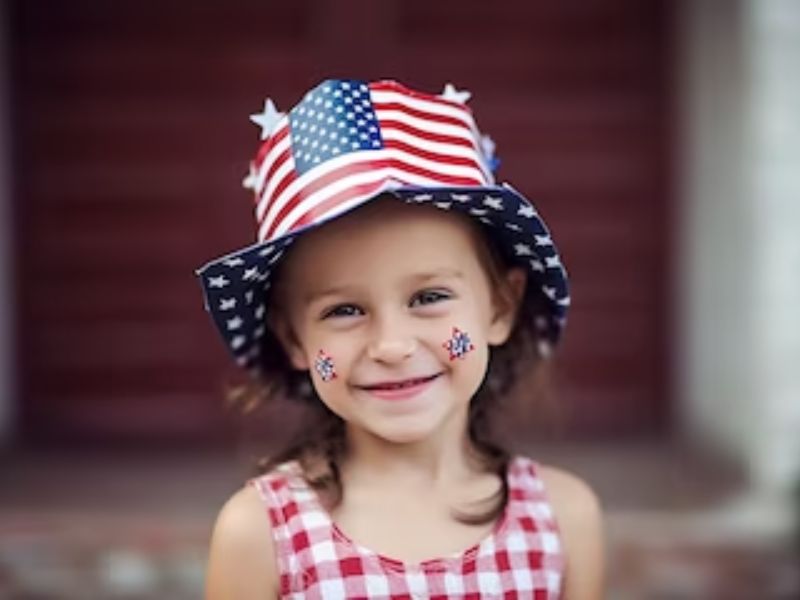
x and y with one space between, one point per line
399 385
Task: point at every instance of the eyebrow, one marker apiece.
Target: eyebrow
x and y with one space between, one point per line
316 295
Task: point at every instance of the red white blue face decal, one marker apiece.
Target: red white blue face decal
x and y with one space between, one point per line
459 344
324 366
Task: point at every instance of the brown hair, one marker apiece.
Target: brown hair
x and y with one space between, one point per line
322 437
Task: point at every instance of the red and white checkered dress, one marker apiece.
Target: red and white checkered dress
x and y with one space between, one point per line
522 558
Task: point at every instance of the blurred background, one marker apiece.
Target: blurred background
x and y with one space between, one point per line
661 141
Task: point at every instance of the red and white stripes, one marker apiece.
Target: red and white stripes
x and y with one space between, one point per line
427 141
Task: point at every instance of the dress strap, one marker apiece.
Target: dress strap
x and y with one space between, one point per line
528 496
295 517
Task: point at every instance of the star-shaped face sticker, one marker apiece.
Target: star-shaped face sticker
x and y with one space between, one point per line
459 344
454 95
324 366
267 119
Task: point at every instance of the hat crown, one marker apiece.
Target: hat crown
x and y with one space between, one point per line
343 144
348 140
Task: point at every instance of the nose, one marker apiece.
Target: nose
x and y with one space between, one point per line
391 341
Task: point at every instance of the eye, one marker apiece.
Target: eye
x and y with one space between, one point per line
429 297
342 310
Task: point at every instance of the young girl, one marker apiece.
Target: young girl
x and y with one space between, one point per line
396 291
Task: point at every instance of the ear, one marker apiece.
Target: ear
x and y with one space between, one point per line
506 302
291 345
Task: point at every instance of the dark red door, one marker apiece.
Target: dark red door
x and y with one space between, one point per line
131 138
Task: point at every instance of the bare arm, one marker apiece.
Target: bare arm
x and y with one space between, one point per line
580 520
241 562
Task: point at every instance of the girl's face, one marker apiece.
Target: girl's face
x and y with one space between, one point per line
377 295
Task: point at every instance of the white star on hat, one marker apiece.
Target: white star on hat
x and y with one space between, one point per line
251 273
537 265
552 262
488 146
267 119
526 210
461 197
235 323
451 93
217 282
251 179
522 250
493 202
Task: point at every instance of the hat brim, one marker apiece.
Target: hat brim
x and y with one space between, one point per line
235 286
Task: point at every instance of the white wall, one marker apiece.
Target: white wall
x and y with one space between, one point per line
740 285
7 396
714 286
774 28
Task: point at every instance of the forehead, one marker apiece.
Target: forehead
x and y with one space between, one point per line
385 236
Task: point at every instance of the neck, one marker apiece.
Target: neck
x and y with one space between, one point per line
433 462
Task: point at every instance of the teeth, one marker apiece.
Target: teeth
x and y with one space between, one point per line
397 386
405 384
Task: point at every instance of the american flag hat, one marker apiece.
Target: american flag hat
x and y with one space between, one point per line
346 143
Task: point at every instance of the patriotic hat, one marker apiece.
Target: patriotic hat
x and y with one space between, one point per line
347 142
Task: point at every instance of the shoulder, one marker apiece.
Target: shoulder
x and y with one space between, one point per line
241 562
570 495
579 515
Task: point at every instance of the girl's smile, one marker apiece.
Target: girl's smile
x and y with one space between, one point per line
404 389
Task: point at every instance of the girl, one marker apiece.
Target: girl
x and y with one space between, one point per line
396 291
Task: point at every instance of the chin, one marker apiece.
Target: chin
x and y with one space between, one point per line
408 436
406 431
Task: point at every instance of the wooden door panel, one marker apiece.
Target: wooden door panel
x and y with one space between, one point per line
131 138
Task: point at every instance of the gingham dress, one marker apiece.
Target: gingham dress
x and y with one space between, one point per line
521 558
